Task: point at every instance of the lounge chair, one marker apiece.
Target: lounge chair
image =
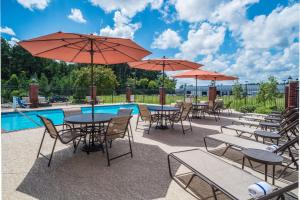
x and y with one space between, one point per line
126 112
65 136
226 107
240 143
182 115
241 130
21 103
116 129
220 175
43 102
272 118
146 116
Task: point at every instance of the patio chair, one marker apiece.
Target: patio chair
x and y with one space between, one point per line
226 107
21 103
182 115
146 116
291 157
126 112
43 102
241 129
65 136
116 129
220 175
212 109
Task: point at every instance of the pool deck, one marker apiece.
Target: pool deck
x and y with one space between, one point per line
82 176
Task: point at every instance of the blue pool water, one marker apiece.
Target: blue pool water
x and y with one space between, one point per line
15 121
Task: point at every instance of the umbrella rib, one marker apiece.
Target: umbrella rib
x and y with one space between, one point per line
121 52
87 42
141 49
46 40
56 48
101 52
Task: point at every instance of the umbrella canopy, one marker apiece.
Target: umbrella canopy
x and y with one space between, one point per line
204 75
82 48
165 64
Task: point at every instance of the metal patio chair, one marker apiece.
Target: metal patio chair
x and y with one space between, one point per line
65 136
116 129
146 116
182 115
126 112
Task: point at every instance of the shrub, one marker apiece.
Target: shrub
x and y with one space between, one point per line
247 109
263 110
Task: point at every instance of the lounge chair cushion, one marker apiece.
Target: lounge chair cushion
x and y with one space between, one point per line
238 142
230 179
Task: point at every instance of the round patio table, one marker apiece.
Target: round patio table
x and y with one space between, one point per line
164 113
267 134
86 119
264 157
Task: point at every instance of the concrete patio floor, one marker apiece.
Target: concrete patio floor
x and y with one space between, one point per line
82 176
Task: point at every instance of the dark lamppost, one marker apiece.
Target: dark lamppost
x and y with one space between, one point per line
246 92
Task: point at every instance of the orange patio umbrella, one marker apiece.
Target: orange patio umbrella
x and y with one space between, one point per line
203 75
164 64
83 48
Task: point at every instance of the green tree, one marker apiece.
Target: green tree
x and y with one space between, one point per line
13 81
237 91
153 85
104 79
262 95
143 83
44 85
268 91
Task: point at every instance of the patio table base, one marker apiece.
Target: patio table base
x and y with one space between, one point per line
93 148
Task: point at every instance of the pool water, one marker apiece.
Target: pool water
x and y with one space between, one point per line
15 121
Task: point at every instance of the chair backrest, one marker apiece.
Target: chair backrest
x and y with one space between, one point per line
71 111
117 127
210 105
88 98
144 112
287 145
290 127
26 99
178 104
185 110
124 112
51 129
41 99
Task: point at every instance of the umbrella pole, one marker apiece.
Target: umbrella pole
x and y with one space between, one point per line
196 90
92 80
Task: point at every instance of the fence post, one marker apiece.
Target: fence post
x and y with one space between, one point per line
33 95
293 93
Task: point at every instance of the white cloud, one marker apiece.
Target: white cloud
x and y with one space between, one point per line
122 27
127 7
7 30
167 39
205 40
76 16
34 4
13 41
279 29
232 14
195 10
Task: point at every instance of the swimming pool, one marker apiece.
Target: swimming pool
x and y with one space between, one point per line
15 121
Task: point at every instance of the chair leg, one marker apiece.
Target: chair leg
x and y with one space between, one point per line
130 145
41 144
107 154
190 124
182 127
149 127
52 152
76 146
131 132
137 122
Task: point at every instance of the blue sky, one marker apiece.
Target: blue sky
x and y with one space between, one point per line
251 39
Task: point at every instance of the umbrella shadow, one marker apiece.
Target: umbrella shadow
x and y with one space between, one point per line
175 136
82 176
